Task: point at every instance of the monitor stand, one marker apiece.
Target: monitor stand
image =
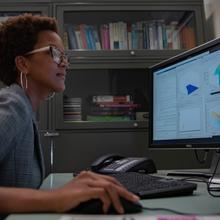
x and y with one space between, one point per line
190 173
215 159
216 179
206 173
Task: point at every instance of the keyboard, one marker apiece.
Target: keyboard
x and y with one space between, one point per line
148 186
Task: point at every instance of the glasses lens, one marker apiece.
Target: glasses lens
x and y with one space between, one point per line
56 54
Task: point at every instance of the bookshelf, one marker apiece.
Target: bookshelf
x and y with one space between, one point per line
110 45
99 69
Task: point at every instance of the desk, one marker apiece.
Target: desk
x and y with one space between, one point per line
200 202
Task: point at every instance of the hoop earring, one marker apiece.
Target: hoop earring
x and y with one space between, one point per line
21 81
50 96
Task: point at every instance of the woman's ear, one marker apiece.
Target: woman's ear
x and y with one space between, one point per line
21 64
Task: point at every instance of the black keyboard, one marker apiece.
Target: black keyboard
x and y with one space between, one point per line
148 186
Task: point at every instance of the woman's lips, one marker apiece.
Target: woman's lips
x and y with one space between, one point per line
61 75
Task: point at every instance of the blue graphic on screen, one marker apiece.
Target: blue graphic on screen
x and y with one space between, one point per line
191 88
217 72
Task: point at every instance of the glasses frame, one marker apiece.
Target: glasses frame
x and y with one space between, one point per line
57 55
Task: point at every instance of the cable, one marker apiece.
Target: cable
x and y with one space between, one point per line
209 190
213 175
205 156
166 209
198 179
177 212
203 180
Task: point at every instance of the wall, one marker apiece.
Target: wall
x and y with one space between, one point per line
212 13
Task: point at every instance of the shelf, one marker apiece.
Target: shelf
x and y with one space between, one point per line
128 25
122 56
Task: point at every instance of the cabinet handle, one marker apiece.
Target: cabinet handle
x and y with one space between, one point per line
132 53
51 134
135 124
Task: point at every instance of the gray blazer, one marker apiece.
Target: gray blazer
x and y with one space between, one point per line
21 161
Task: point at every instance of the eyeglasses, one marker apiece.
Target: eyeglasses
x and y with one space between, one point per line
57 55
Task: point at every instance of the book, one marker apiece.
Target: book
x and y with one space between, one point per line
105 42
129 37
78 36
65 40
127 113
83 36
175 35
119 105
89 38
108 118
111 35
71 37
169 37
140 37
153 41
111 98
160 36
96 38
134 36
187 36
146 42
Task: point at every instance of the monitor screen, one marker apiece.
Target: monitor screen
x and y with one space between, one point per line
185 99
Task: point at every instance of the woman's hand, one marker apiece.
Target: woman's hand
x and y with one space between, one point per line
88 185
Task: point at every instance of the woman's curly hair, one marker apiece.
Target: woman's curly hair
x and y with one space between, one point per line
18 35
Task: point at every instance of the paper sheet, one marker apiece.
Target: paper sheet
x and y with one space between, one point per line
114 217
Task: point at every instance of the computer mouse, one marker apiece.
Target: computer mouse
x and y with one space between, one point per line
94 206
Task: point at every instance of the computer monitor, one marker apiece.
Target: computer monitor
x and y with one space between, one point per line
185 100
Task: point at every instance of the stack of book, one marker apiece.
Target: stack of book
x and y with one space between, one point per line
72 109
112 108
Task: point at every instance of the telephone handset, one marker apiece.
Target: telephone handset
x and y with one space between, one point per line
112 163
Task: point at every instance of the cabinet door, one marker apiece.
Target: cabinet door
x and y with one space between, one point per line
7 10
143 25
79 149
103 97
108 93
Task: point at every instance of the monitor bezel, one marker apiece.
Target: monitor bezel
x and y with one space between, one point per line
195 143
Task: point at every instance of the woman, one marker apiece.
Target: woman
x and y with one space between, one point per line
33 65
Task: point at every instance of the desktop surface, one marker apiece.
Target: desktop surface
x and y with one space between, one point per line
200 202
